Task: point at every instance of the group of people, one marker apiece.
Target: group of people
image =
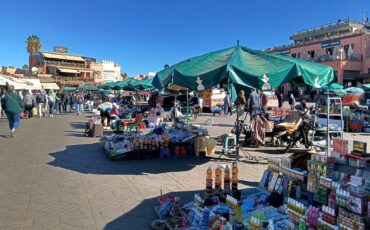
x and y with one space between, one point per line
253 102
27 104
118 107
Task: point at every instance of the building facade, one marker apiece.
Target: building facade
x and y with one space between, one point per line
65 69
106 71
344 45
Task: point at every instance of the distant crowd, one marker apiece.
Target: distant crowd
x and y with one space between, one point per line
45 103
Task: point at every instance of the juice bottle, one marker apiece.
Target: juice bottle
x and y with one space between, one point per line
227 180
234 180
208 192
235 170
218 182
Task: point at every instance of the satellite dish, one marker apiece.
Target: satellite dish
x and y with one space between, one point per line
34 70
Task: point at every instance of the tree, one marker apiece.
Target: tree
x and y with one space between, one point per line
33 44
25 67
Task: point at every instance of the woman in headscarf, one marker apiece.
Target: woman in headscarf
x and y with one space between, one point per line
13 106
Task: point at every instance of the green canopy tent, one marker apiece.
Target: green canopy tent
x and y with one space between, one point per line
67 88
334 88
244 67
89 88
120 85
108 85
134 85
143 85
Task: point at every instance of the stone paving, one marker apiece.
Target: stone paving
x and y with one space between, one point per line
53 177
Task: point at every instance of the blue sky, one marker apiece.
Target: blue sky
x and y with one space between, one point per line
142 36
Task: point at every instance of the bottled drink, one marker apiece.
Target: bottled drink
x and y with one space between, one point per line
218 173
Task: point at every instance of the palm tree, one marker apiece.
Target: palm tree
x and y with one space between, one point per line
33 44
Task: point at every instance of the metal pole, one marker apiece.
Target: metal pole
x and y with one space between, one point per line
187 106
237 133
327 124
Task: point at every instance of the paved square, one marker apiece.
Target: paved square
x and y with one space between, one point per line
53 177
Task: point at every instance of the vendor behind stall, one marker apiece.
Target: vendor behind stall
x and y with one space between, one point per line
302 106
156 118
104 109
114 112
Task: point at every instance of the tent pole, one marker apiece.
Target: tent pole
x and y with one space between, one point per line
187 106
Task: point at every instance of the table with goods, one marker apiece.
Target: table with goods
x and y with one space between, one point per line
311 191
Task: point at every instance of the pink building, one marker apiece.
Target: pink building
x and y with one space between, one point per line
344 45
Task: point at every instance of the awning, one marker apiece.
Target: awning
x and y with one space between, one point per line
85 70
63 56
68 70
33 84
17 83
50 86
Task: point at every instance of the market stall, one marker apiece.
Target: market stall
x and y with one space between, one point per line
242 67
300 192
162 141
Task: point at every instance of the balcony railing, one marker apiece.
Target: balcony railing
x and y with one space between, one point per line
63 78
67 64
327 57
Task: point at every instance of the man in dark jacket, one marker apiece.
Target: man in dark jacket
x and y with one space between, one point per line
13 106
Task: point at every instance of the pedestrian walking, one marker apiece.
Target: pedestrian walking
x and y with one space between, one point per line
13 105
2 112
79 103
90 101
59 103
227 104
280 97
254 102
40 100
29 103
264 101
291 101
52 98
72 102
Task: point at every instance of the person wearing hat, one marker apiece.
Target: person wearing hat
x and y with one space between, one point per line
13 105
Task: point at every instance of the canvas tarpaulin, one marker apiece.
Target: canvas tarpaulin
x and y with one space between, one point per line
242 66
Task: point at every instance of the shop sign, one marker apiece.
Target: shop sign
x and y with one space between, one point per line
59 49
330 43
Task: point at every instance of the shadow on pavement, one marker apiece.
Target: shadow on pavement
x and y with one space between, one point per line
249 183
141 216
90 158
225 125
75 134
78 125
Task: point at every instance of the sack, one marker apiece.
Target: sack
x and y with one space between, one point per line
34 111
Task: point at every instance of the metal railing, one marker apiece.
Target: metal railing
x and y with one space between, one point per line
327 57
326 26
67 64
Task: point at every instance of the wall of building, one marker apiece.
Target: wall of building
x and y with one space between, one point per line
106 71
